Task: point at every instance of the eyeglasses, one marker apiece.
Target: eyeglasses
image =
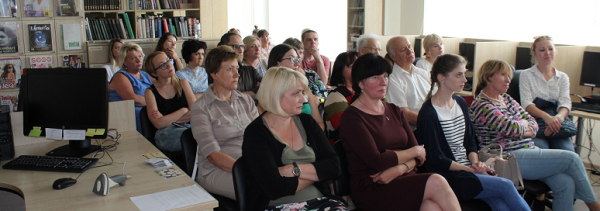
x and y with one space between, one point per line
165 65
374 49
236 46
292 59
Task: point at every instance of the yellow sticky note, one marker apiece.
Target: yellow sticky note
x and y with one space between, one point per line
90 132
99 131
36 132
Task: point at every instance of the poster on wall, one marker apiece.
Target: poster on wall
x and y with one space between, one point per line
40 62
40 37
10 100
36 8
8 9
66 8
73 61
11 73
8 37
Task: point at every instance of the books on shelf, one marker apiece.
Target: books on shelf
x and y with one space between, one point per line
8 37
40 37
44 61
36 8
154 27
8 8
71 36
107 5
11 73
159 4
66 8
107 29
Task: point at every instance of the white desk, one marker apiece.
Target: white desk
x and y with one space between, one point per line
582 115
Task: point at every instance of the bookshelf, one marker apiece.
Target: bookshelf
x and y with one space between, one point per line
364 17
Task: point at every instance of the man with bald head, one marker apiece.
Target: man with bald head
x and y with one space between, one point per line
408 84
368 43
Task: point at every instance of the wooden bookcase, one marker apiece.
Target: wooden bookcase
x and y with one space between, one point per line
364 16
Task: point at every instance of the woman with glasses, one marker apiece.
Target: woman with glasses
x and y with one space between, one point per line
252 55
168 102
130 82
193 54
167 43
434 47
286 56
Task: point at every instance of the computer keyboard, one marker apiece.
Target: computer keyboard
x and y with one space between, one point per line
588 107
50 163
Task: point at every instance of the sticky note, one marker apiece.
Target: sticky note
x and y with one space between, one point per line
90 132
36 131
74 134
53 133
100 131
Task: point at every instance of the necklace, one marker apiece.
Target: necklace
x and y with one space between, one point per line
494 100
367 107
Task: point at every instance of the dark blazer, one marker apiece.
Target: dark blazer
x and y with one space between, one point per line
439 156
263 157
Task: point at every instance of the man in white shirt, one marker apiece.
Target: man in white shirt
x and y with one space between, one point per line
408 85
368 43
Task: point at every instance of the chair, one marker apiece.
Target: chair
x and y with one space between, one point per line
190 150
239 182
513 88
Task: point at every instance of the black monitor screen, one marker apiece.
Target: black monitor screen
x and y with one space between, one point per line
590 69
65 98
467 50
523 58
417 46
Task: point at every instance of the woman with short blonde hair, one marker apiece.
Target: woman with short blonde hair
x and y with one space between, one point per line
434 47
252 55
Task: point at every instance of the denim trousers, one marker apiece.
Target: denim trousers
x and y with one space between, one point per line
561 170
565 143
500 194
169 138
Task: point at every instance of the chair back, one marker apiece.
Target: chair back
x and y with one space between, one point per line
190 152
341 186
513 87
148 129
239 182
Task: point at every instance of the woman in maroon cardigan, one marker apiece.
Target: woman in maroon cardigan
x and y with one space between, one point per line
382 151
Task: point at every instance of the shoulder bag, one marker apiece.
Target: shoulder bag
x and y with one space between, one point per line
503 163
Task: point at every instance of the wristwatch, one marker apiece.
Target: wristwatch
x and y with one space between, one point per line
296 171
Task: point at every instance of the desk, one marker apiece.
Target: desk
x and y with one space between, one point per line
36 186
581 116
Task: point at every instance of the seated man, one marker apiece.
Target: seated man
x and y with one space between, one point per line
249 78
368 43
313 60
408 84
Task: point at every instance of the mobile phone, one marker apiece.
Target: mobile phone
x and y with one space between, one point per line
178 125
491 172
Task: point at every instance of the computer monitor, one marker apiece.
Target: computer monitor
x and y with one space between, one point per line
523 58
467 50
590 69
66 99
417 46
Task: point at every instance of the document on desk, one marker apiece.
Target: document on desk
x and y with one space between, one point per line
172 199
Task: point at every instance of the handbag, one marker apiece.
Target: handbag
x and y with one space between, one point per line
567 128
503 163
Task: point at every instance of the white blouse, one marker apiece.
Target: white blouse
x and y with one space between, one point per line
532 84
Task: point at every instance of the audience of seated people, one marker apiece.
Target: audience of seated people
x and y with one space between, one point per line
168 102
382 151
249 79
499 119
313 60
409 84
434 47
546 82
450 142
252 55
339 99
265 43
167 44
192 52
285 56
113 57
130 83
291 160
368 43
219 118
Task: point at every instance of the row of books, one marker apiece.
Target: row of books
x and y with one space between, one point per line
108 4
159 4
109 28
358 19
155 27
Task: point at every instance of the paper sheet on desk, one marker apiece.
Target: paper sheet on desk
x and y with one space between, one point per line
172 199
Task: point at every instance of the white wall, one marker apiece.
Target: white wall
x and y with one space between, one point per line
244 14
391 17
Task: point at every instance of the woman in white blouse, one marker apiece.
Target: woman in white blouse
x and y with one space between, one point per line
546 82
434 47
113 57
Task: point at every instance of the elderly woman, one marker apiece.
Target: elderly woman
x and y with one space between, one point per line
499 119
168 43
265 43
434 47
545 82
285 56
382 151
168 102
113 56
193 54
290 157
252 55
450 141
338 99
130 82
219 118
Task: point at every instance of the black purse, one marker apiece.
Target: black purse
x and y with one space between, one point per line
567 128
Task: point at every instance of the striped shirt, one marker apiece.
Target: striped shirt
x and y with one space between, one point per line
453 124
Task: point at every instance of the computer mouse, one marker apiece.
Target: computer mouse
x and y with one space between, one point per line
63 183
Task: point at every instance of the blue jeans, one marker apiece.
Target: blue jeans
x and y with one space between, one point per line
565 143
500 194
169 138
561 170
138 122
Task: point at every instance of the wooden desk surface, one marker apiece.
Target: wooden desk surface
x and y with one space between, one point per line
36 186
586 115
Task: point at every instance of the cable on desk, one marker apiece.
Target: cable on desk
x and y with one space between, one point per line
592 148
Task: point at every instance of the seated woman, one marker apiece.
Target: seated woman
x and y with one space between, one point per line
130 83
113 56
193 54
286 56
168 102
167 43
265 43
548 83
219 118
434 47
290 157
337 100
382 151
499 119
450 141
252 55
